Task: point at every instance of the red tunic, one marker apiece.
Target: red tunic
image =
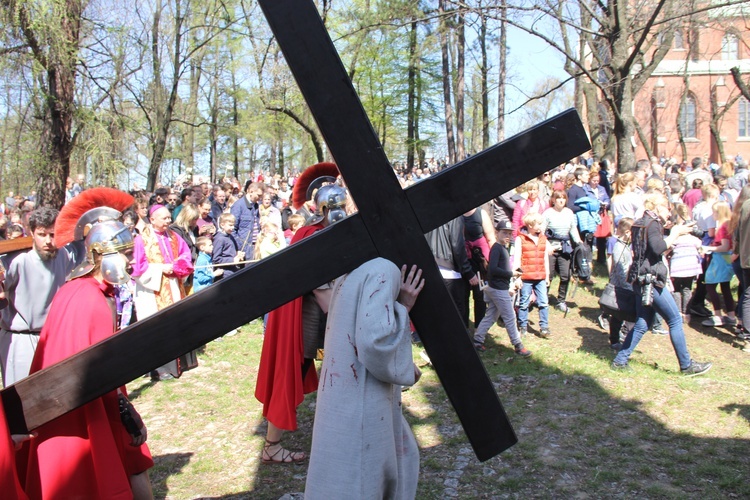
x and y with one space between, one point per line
280 387
85 453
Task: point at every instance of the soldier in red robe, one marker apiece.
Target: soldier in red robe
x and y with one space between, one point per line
97 450
286 373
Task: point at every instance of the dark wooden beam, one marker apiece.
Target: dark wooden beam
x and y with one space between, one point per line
233 302
390 218
391 223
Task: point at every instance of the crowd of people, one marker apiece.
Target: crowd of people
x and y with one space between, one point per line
672 235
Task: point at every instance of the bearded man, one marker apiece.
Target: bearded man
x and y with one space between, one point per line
32 280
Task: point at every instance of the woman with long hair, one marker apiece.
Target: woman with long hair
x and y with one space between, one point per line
532 203
186 226
722 243
649 275
625 201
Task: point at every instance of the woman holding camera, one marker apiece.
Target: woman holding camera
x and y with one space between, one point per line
649 275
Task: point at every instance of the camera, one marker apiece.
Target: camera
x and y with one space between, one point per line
647 288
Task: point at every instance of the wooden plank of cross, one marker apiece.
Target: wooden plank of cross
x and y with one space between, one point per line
390 223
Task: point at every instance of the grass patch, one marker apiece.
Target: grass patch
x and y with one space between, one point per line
583 429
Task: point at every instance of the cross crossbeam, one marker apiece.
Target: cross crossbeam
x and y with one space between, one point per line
390 223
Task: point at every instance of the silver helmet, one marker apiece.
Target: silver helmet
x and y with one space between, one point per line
332 197
110 239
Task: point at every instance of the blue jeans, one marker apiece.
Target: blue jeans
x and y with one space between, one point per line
665 305
540 288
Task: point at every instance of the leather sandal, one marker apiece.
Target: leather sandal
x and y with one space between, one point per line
287 457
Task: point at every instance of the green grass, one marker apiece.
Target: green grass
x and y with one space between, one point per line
583 429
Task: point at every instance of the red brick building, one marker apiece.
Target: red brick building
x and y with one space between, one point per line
678 96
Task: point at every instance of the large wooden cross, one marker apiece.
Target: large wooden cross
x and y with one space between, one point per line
391 223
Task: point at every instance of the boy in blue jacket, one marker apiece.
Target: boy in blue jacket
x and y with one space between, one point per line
204 270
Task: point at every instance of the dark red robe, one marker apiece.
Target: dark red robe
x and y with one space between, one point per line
281 386
85 453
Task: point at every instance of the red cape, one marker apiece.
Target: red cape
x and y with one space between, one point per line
279 386
11 487
85 453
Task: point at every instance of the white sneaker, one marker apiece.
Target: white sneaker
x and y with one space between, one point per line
713 321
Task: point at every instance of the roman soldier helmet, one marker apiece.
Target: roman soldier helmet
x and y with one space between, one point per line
93 216
318 182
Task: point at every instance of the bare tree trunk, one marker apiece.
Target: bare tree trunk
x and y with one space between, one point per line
624 128
213 125
744 87
412 90
680 132
717 114
443 38
644 140
483 87
417 115
192 114
594 120
475 142
163 114
59 62
460 86
502 71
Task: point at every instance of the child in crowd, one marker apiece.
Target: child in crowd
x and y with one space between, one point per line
684 262
269 240
15 231
204 271
497 295
226 248
619 262
530 259
295 222
722 243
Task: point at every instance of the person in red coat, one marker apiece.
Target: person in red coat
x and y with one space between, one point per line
286 373
97 450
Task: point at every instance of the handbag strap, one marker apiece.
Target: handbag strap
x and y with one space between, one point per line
619 259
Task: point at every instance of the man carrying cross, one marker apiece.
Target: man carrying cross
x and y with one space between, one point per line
362 446
391 223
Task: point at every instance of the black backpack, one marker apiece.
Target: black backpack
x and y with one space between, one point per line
581 261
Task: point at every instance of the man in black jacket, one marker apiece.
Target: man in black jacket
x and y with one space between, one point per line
449 248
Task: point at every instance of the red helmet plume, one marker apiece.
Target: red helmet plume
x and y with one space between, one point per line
299 192
71 213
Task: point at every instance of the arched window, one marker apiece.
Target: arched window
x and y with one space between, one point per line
687 118
744 118
730 47
679 41
695 43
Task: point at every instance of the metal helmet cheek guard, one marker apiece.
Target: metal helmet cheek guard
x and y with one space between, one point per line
333 198
107 238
